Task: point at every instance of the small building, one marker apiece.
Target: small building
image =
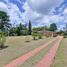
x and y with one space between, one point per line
49 33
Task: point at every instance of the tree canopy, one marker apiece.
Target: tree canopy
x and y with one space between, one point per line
53 27
4 21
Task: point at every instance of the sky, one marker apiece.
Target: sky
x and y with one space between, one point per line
39 12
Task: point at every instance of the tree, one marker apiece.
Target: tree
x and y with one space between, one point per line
30 28
13 31
53 27
66 27
4 25
61 32
4 21
46 28
21 30
65 32
39 28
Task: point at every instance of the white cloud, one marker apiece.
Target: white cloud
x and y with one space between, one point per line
29 14
65 15
62 27
56 19
13 11
43 6
3 7
33 14
65 11
40 12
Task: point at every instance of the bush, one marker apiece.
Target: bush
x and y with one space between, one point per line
65 34
47 35
34 34
27 39
24 32
37 35
2 39
40 36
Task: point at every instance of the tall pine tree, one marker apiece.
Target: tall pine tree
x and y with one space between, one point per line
30 28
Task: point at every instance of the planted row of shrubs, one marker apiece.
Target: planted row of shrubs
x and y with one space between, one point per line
35 36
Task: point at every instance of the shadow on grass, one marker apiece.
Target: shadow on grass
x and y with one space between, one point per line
27 41
4 47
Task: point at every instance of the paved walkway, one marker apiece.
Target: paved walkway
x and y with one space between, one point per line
20 60
47 59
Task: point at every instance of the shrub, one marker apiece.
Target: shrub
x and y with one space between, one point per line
2 39
40 35
47 35
27 38
34 34
65 34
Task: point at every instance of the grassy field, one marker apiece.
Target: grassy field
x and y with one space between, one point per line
35 59
61 56
17 47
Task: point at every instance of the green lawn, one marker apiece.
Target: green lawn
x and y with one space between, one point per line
17 47
61 56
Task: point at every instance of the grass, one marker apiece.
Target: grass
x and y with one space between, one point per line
61 56
35 59
17 47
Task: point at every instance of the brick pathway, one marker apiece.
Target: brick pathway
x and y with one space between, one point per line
48 58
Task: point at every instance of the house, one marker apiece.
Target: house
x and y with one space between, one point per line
48 33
